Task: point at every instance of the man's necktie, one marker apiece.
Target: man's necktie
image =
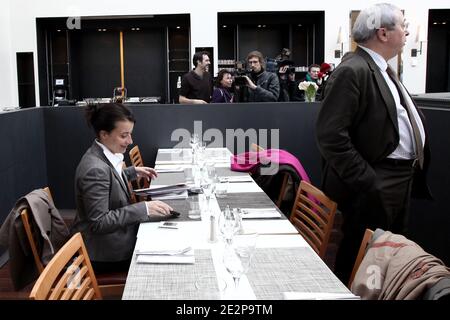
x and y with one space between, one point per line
408 107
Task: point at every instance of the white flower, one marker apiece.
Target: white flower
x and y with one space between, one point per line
304 85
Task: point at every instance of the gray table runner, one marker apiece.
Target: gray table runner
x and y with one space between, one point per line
168 281
277 270
247 200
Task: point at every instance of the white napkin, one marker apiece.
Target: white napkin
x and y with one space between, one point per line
186 258
245 178
319 296
260 213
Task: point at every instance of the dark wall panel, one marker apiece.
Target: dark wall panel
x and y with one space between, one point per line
29 157
22 161
96 64
430 220
68 136
145 61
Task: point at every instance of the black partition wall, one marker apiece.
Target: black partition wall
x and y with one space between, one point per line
88 59
43 146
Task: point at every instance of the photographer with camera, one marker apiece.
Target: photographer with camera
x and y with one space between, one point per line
289 90
259 85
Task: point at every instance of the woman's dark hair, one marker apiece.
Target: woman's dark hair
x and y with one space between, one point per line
220 76
104 116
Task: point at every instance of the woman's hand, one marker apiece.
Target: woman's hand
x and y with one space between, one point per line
146 172
158 208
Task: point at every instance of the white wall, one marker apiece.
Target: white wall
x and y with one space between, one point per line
6 63
20 28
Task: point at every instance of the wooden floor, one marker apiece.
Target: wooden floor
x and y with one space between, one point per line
7 291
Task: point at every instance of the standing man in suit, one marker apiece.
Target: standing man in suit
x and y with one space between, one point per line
106 217
371 135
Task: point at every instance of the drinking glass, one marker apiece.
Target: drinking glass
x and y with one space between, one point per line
229 224
237 255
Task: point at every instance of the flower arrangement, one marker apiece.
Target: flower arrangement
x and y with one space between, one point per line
310 89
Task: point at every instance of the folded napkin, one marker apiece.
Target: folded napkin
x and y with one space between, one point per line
245 178
259 213
186 258
319 296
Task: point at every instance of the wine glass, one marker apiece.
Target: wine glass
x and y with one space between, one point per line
193 142
237 255
207 185
229 224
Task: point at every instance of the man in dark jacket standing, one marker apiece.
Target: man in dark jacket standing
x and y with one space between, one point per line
371 135
262 86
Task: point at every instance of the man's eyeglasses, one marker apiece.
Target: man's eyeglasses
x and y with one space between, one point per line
253 61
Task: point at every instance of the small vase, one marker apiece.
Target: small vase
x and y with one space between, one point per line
311 98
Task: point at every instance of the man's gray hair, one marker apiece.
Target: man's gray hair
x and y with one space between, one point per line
381 15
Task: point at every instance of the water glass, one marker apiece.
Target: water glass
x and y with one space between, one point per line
194 207
237 255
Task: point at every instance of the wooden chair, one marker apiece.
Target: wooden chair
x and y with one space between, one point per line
136 160
25 216
130 187
68 276
111 284
313 216
361 253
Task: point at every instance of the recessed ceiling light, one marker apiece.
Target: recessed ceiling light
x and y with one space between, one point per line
299 25
444 22
224 26
259 26
59 30
178 27
435 23
137 29
264 26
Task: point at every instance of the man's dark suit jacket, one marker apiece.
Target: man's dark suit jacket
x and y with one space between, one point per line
106 218
357 127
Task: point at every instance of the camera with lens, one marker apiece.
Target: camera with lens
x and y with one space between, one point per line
240 72
289 63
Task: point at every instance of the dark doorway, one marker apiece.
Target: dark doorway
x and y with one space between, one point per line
25 79
438 57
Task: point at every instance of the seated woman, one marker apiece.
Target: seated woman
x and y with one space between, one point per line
221 93
106 217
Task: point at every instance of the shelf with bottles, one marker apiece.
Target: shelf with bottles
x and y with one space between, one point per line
226 62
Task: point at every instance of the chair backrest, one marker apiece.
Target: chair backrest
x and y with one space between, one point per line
361 253
68 276
25 216
130 187
313 216
136 160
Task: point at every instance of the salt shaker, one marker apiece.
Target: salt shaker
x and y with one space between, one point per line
212 229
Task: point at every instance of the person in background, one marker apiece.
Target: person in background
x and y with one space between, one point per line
261 86
289 90
196 85
221 93
105 216
371 136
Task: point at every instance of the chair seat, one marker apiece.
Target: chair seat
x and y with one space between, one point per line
111 278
